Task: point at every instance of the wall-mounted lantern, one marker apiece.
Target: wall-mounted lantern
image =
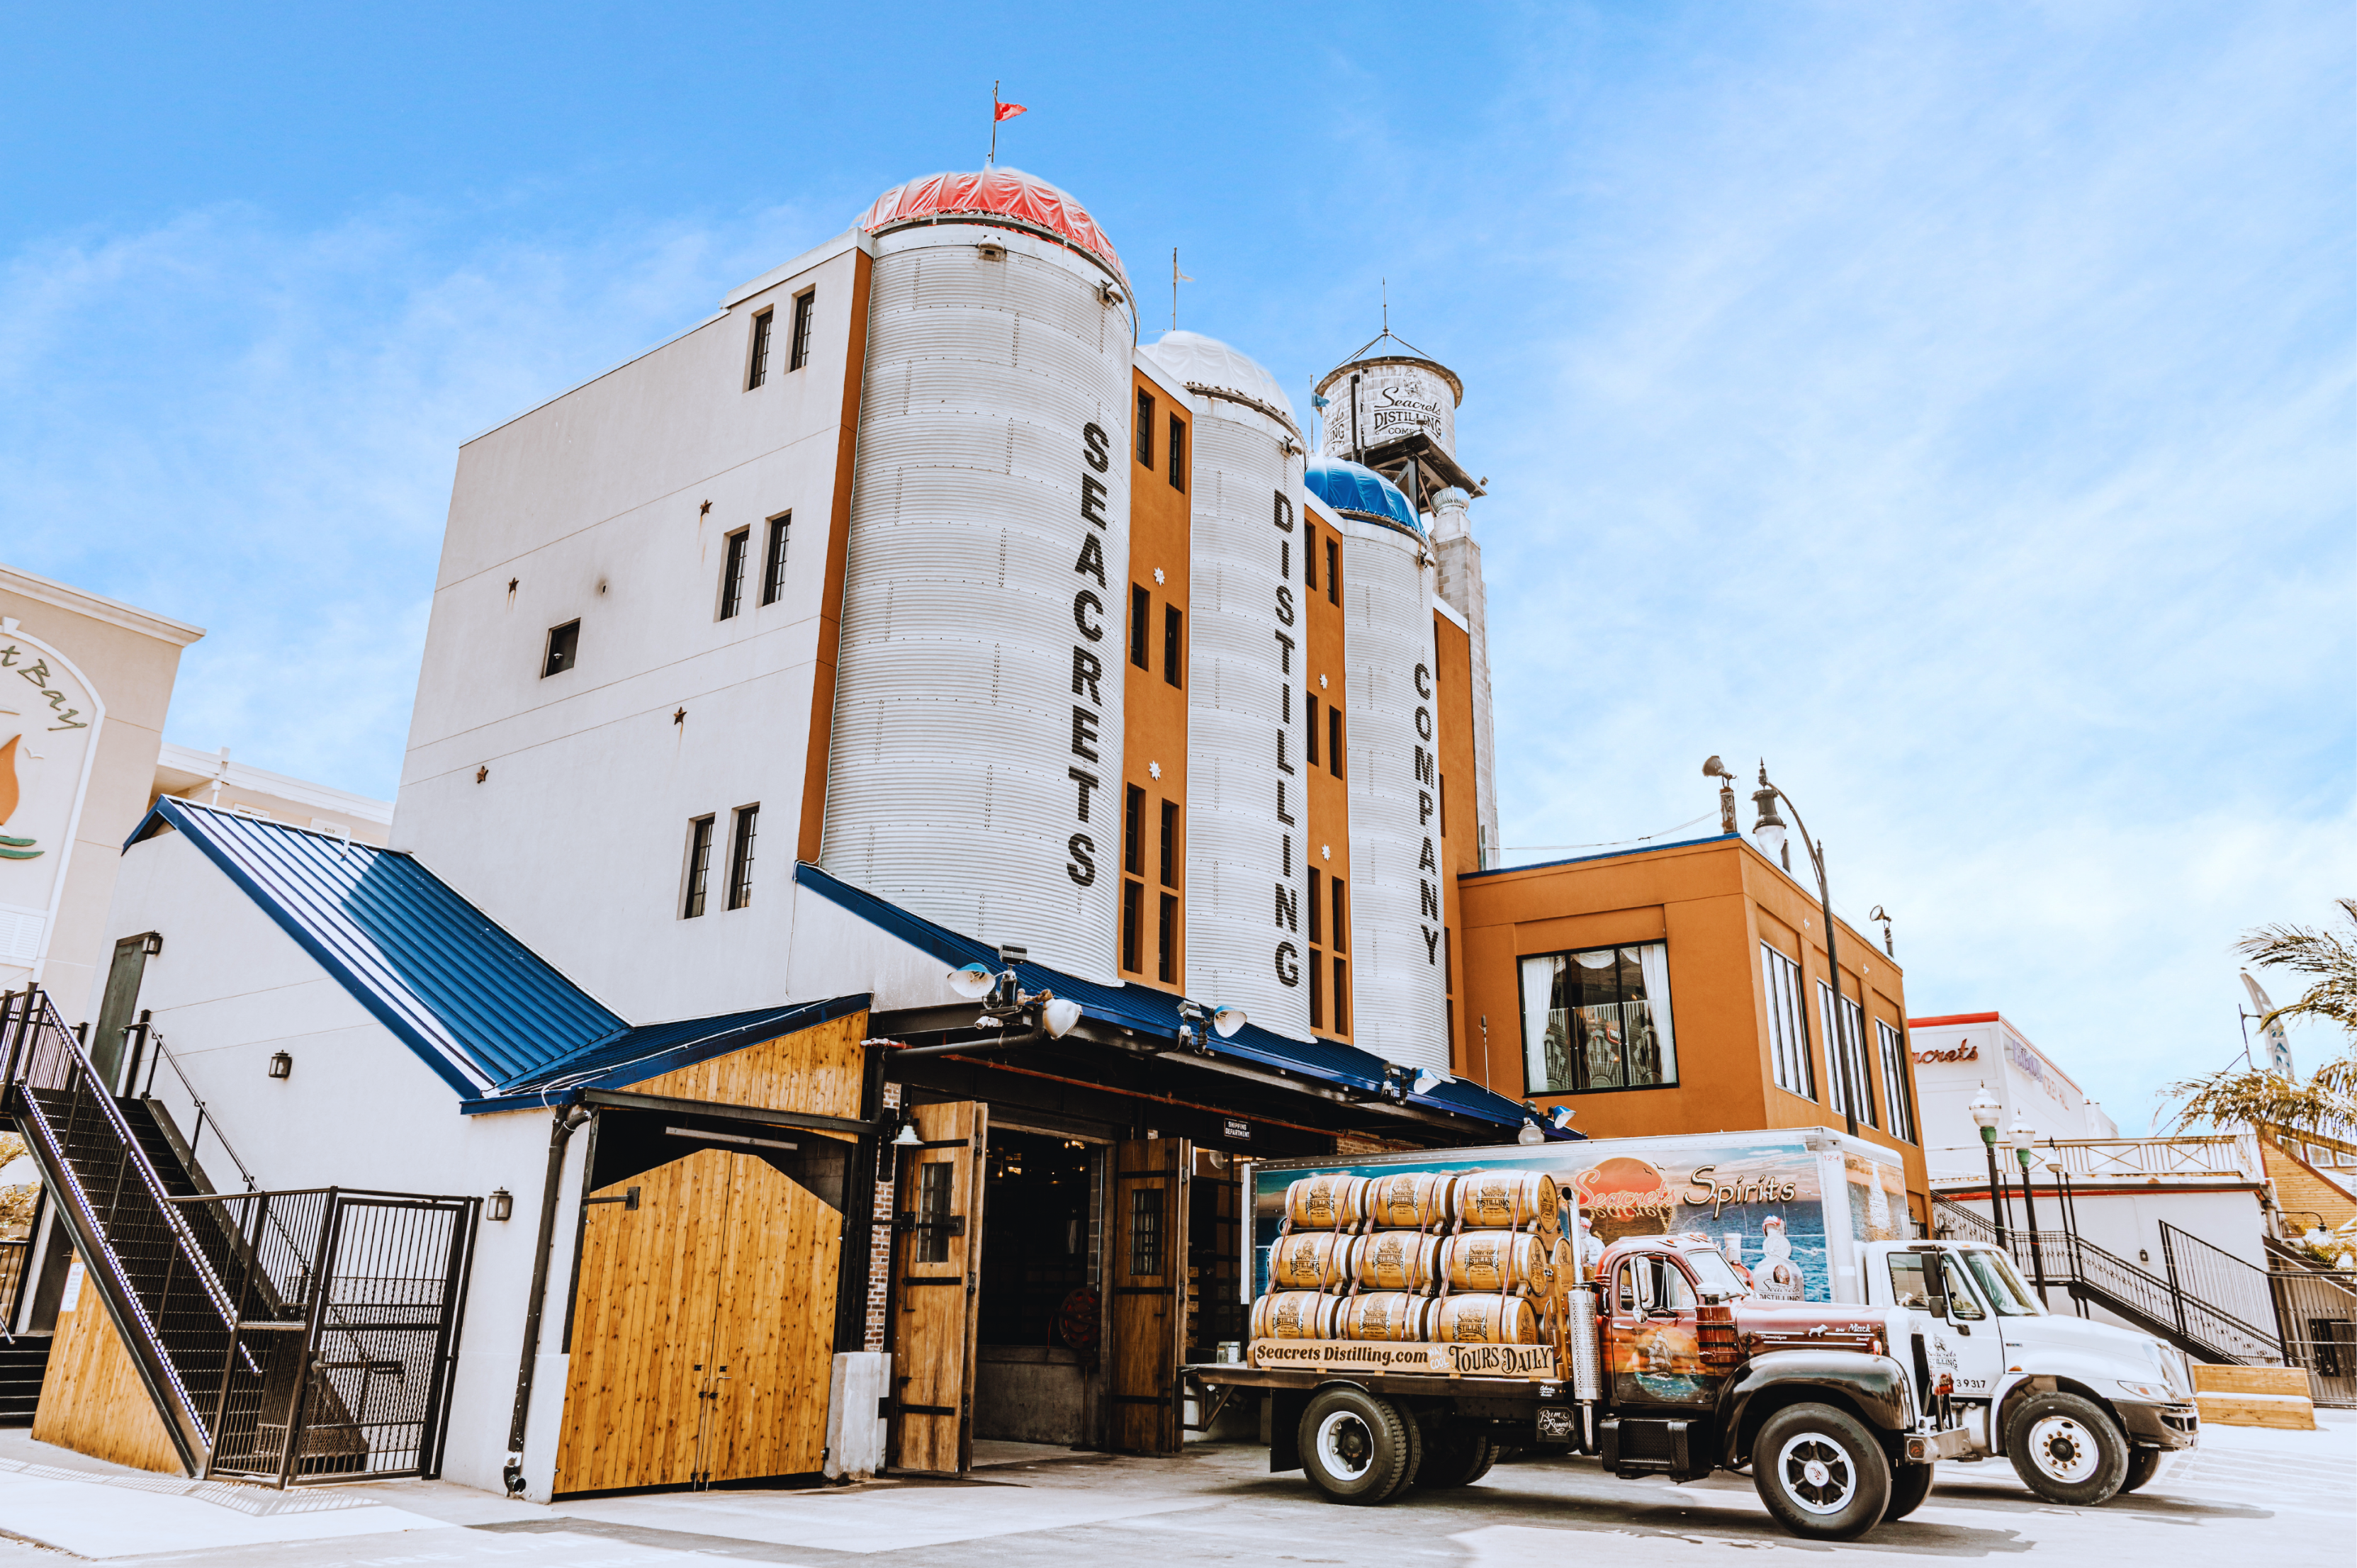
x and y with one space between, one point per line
501 1206
282 1066
152 944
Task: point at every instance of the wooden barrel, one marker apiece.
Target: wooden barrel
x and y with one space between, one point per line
1411 1200
1311 1260
1397 1260
1326 1202
1386 1315
1294 1314
1484 1320
1507 1200
1505 1261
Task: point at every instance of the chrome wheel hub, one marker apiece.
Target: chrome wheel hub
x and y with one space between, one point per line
1817 1473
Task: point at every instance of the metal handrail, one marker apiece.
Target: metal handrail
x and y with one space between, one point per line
165 1055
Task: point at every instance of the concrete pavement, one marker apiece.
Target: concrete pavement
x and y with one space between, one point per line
2249 1498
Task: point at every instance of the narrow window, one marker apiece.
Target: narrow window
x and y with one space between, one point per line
1317 918
1342 995
1444 805
1317 991
1133 896
757 370
1145 1229
732 572
1170 843
935 1183
1178 453
740 856
773 562
1166 937
699 867
1342 924
1309 557
1146 429
1172 622
1334 741
1309 714
799 355
1333 571
1133 830
564 647
1141 606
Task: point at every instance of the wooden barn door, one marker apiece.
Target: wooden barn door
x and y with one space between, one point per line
703 1329
1148 1270
937 1264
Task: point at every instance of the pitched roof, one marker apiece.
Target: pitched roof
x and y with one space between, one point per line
1156 1013
497 1022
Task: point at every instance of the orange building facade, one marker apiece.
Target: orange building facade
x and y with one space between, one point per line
1683 989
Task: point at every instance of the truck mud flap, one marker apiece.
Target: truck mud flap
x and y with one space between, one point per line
1286 1408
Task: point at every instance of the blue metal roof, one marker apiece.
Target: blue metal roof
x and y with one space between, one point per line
1361 492
653 1049
1156 1013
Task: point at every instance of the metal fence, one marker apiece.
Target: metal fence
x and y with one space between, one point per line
2317 1309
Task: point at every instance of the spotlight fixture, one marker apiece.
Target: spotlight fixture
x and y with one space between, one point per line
970 980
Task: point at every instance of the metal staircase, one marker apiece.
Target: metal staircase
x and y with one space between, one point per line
2163 1307
283 1337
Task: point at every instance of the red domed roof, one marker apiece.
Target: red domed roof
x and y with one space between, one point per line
1025 200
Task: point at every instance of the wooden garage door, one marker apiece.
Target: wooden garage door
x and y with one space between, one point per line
703 1330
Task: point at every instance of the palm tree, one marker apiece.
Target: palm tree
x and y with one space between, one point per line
2327 1100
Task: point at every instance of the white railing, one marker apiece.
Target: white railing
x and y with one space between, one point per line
2209 1156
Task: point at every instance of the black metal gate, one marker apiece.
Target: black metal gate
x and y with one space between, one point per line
348 1307
2317 1310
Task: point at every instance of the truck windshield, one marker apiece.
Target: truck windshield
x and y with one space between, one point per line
2004 1287
1717 1281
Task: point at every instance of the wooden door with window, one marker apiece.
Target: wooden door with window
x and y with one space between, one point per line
1148 1271
937 1267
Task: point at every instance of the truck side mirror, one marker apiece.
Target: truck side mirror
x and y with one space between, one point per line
1936 1304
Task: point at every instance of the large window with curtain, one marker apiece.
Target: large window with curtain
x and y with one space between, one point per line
1788 1023
1895 1097
1845 1027
1598 1019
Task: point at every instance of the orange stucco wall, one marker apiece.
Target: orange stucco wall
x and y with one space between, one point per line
1714 903
1154 715
1453 702
1326 831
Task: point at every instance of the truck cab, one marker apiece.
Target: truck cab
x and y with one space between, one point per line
2082 1410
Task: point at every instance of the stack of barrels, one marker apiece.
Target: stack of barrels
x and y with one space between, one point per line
1470 1257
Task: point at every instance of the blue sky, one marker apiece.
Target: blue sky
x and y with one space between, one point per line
1950 402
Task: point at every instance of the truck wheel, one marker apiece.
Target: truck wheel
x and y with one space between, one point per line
2144 1464
1356 1448
2066 1449
1910 1485
1820 1472
1454 1456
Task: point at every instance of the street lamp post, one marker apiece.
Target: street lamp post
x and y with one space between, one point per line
1769 829
2024 1135
1985 1110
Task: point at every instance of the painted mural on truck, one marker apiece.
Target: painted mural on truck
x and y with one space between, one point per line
1760 1197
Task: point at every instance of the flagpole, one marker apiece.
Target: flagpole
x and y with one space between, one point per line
992 161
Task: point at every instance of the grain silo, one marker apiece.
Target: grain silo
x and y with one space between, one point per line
977 716
1245 851
1400 985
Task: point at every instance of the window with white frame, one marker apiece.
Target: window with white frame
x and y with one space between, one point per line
1845 1055
1896 1099
1788 1023
1598 1019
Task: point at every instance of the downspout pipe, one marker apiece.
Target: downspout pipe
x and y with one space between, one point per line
560 1133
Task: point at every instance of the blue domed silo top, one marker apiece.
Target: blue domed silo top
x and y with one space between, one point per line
1361 492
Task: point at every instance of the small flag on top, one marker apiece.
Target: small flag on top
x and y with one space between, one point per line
1007 110
999 113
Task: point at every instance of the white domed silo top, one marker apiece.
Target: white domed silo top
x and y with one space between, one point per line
975 761
1396 395
1247 860
1207 364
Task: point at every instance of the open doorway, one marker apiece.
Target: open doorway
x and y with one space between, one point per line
1039 1316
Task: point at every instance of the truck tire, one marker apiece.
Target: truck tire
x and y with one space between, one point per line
1357 1448
1910 1485
1455 1456
2066 1449
1820 1472
2144 1464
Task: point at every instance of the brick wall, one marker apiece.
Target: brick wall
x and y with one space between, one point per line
879 1246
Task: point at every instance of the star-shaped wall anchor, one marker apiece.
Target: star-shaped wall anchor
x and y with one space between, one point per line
481 774
680 717
512 585
705 507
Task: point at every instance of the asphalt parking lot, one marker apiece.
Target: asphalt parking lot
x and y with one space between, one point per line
2280 1499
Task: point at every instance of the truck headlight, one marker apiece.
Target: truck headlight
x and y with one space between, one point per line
2157 1392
